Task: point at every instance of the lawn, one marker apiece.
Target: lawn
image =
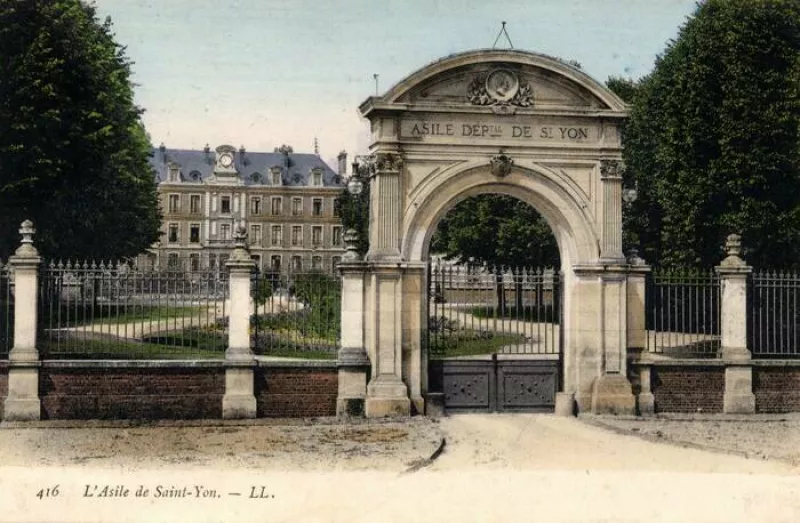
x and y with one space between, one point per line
532 313
470 343
103 314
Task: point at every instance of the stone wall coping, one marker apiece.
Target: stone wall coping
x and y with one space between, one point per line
699 362
132 364
267 361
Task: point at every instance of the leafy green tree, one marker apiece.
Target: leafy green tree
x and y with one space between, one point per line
625 88
713 142
73 150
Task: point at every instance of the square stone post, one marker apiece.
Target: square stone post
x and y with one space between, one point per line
733 272
637 329
353 360
239 400
22 402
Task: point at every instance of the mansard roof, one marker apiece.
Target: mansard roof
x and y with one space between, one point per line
253 168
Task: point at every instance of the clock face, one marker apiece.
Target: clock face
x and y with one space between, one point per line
226 160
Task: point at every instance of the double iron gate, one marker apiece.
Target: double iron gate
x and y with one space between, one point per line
494 337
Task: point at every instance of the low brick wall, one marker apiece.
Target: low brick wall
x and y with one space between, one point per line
777 387
3 385
296 390
131 390
688 388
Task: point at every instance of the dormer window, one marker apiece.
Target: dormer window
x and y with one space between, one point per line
195 176
276 176
173 172
255 177
316 177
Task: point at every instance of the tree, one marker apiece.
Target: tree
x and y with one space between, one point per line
625 88
496 231
73 150
713 138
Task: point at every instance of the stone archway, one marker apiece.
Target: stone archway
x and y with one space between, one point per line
510 122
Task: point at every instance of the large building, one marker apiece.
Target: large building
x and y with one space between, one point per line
285 200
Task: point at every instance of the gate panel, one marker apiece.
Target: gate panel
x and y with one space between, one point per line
469 385
527 385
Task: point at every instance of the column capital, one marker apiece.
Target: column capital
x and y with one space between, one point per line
388 162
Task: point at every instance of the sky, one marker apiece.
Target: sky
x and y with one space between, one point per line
262 73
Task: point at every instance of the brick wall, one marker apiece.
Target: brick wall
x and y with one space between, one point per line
294 392
777 388
688 388
172 392
3 385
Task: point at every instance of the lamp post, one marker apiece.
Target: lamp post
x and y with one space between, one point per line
355 186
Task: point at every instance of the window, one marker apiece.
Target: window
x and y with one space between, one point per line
256 258
277 206
317 207
297 263
277 235
174 202
297 206
297 235
172 260
174 171
255 234
195 176
316 177
336 239
316 262
275 262
212 261
335 261
225 231
316 235
225 204
255 205
172 237
336 210
194 233
223 259
194 262
276 177
194 204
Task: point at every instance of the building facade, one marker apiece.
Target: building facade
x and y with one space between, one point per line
285 201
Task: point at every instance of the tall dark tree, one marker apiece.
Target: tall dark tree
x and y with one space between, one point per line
73 150
714 138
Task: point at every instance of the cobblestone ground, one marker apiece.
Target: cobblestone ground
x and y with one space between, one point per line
774 437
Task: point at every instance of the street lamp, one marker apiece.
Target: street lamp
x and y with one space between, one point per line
355 186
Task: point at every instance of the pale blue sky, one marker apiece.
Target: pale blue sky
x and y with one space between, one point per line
261 73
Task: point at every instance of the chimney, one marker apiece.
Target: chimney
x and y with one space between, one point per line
342 163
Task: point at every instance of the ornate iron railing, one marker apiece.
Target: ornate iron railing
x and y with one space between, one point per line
502 310
683 312
296 314
774 314
103 310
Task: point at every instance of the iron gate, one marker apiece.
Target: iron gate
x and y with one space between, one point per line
494 337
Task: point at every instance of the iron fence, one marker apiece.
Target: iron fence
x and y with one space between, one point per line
773 314
6 311
91 310
296 314
683 312
502 310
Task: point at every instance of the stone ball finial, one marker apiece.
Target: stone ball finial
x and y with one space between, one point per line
26 249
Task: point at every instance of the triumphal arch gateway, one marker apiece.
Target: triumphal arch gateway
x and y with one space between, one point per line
504 122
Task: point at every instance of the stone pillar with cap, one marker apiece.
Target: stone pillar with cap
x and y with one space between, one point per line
239 400
733 272
637 329
353 361
22 401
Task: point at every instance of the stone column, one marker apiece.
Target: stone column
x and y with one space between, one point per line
385 208
239 400
387 394
733 272
646 401
22 402
353 361
611 232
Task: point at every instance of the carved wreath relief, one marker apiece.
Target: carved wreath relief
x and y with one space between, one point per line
500 89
